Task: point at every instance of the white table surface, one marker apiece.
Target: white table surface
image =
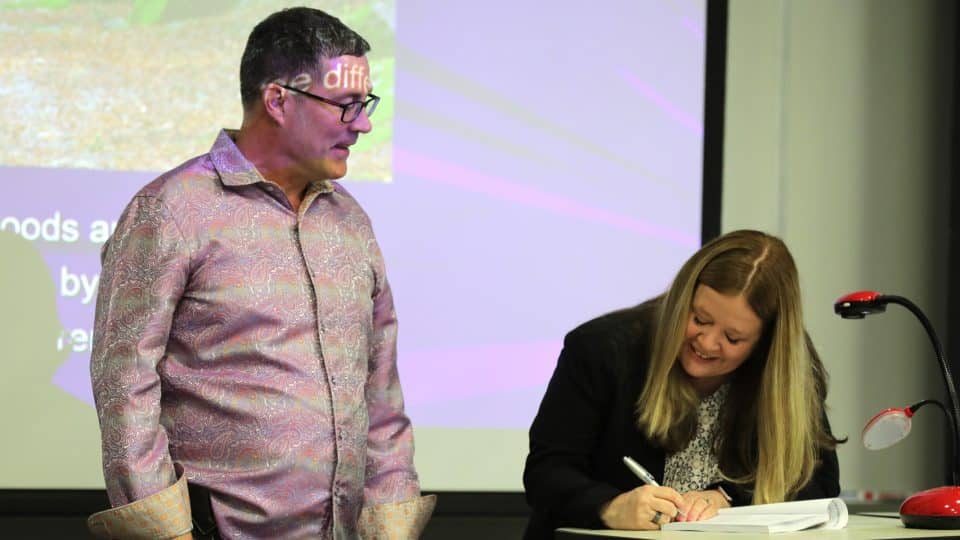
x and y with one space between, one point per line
858 528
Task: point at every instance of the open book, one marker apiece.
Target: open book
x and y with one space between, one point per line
772 518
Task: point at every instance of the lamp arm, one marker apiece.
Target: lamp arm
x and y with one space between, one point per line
954 411
953 429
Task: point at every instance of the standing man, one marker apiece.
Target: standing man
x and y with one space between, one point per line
245 335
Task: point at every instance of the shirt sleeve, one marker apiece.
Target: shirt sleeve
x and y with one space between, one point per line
558 475
390 474
144 271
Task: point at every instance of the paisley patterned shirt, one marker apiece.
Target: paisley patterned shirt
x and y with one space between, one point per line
696 466
256 346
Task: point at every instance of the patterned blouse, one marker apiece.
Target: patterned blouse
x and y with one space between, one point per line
696 467
254 345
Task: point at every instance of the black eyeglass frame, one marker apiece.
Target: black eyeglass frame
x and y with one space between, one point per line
369 105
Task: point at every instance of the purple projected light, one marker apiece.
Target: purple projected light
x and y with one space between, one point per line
685 119
452 174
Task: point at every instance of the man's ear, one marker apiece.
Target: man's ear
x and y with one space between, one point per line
274 99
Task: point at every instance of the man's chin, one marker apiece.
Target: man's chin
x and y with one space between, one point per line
332 171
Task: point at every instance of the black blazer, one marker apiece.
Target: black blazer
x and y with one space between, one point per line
586 424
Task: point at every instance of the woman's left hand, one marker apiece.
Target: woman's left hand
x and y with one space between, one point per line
703 504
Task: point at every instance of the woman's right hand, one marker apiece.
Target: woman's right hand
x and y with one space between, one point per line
636 509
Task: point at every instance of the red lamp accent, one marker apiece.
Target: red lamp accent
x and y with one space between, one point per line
859 296
859 304
937 508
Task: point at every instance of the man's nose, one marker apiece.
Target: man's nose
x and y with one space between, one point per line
361 123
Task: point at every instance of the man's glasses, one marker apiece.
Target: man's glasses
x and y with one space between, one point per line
348 111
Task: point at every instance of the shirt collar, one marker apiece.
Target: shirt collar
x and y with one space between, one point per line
235 170
718 397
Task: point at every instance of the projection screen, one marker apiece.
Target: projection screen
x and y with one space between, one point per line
532 165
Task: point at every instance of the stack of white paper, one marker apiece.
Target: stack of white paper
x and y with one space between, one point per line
772 518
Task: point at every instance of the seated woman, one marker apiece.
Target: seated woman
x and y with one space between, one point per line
713 387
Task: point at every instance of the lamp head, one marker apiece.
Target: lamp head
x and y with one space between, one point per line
887 428
860 304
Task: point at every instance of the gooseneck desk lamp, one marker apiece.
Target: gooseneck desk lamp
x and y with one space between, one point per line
937 508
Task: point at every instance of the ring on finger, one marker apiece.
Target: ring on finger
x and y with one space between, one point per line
656 517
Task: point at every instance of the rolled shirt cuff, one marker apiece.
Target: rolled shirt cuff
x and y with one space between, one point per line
165 514
397 520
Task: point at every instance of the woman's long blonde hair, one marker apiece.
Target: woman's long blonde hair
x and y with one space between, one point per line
771 428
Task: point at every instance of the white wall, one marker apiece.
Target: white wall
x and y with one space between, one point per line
837 139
